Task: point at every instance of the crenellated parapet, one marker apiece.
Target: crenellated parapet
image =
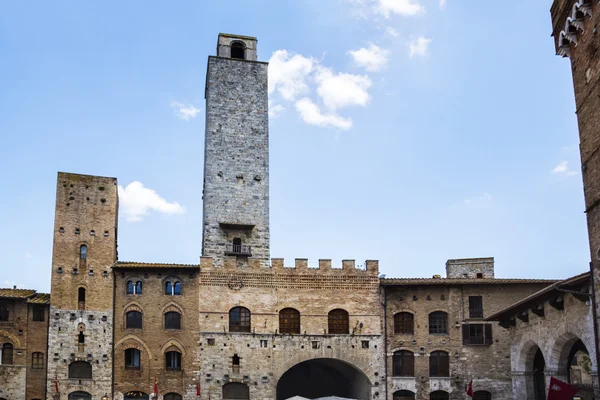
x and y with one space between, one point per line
301 266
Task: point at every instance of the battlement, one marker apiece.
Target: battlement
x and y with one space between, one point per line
470 268
301 267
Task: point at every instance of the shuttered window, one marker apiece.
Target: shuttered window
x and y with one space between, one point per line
477 334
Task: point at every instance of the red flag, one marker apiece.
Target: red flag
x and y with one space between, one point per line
470 389
560 390
155 387
198 389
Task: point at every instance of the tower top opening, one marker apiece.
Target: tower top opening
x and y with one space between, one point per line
238 47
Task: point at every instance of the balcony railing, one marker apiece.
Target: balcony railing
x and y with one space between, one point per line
475 313
238 250
10 323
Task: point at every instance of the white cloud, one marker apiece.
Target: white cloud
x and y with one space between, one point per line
275 109
563 169
405 8
569 147
479 200
288 74
28 255
136 201
342 89
184 111
443 4
392 31
311 114
371 58
419 46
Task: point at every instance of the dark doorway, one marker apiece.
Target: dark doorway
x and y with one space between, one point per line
236 391
135 395
539 378
323 377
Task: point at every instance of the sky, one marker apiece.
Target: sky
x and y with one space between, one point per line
407 131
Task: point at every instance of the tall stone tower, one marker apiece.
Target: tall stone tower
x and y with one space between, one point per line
575 26
236 154
81 308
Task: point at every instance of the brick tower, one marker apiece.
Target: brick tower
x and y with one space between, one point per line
81 309
236 154
575 32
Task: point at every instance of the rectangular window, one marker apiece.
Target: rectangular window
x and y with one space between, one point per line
477 334
4 312
39 313
264 343
37 360
475 307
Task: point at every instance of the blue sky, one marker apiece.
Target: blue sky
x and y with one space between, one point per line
407 131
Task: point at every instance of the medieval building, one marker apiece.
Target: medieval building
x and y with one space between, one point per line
240 324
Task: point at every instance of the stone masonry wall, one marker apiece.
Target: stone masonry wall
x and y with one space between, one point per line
236 158
37 341
488 366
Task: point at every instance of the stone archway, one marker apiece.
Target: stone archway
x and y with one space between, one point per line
322 377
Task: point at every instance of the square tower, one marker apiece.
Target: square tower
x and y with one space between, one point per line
236 153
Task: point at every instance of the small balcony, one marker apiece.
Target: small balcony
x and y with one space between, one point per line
7 323
238 250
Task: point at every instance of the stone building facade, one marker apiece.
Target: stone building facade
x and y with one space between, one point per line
23 343
551 334
240 324
575 32
437 339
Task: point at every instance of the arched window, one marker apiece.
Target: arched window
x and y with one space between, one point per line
80 396
4 313
438 322
80 370
81 298
134 287
404 395
439 395
7 354
132 358
404 323
173 288
235 391
83 252
81 338
172 320
482 395
173 360
338 322
238 50
439 364
37 360
133 320
403 363
289 321
239 319
172 396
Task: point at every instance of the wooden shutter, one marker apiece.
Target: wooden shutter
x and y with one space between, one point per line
466 335
488 334
409 362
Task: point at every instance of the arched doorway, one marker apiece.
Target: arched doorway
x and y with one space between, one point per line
324 377
539 378
578 366
403 394
80 396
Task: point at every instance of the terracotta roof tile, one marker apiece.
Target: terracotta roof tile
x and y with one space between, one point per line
129 264
40 298
459 281
16 293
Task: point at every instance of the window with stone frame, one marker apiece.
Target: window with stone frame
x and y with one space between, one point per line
439 395
404 323
239 319
173 360
403 363
475 307
173 288
438 323
289 321
133 320
338 322
6 358
83 252
172 320
133 358
439 364
80 370
482 395
37 360
4 311
477 334
134 287
38 313
238 50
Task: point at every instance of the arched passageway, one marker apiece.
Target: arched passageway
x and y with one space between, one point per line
539 377
575 362
324 377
